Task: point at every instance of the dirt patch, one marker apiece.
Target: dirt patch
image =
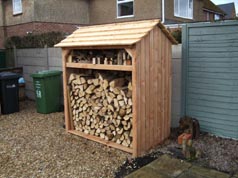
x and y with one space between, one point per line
36 145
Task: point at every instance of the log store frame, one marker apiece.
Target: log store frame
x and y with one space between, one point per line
149 45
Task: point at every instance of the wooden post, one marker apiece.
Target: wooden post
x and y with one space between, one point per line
65 54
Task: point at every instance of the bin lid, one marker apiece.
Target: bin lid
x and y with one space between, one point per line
46 73
8 75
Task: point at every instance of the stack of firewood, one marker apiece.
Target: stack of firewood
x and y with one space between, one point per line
101 105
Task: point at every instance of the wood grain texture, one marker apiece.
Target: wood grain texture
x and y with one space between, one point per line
153 90
135 59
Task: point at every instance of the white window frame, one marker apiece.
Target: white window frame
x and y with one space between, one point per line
178 15
122 2
16 10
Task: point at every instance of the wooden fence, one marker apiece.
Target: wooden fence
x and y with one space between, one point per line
210 58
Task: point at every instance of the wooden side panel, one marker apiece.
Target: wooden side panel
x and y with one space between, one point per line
159 89
142 102
169 59
153 90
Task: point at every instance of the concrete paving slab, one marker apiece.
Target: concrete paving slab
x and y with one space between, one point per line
189 175
170 166
235 176
147 172
207 173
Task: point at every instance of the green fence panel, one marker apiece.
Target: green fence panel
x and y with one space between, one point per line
210 76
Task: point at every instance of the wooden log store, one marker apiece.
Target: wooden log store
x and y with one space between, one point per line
117 84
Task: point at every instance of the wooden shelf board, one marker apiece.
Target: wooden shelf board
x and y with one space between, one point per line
102 141
99 66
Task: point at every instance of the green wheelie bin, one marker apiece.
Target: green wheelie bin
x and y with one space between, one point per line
47 90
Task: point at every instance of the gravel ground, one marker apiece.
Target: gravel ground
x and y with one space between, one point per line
36 145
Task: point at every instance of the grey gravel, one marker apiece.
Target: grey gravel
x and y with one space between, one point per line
36 145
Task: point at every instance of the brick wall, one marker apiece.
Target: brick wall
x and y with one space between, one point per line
38 27
35 27
19 30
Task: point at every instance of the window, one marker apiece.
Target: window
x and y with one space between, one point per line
17 6
217 17
125 8
183 8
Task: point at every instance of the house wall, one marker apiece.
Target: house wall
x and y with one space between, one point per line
233 14
75 11
197 12
1 13
62 11
42 16
105 11
25 17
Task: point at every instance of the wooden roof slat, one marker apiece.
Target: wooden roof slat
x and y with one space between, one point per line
108 33
111 37
101 43
126 33
118 26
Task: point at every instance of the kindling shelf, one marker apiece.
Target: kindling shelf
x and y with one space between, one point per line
99 66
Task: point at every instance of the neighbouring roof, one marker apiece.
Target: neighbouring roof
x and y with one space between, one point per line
228 9
126 33
209 5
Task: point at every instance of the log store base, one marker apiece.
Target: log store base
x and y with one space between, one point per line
102 141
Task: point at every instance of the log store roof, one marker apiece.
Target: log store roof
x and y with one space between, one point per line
126 33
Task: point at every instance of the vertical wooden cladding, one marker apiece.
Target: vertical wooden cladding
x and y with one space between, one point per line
153 90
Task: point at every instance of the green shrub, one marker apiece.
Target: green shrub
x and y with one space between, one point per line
35 40
177 34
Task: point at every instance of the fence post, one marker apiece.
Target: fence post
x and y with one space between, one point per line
47 57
